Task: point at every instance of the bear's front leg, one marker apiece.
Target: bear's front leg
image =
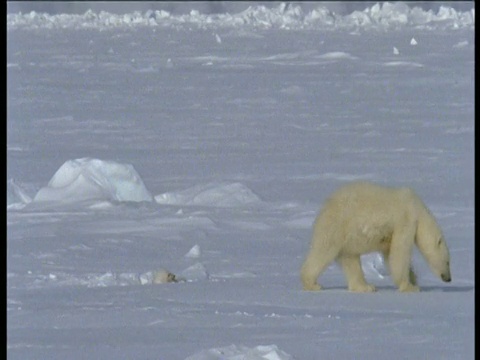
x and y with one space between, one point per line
399 260
405 287
352 268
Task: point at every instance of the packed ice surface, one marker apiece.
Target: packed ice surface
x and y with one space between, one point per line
16 196
231 129
283 16
212 194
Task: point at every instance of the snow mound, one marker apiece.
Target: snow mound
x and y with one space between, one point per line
212 194
93 179
233 352
17 198
284 16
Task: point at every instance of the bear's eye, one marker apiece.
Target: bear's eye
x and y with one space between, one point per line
439 242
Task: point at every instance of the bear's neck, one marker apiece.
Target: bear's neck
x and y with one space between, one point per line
425 223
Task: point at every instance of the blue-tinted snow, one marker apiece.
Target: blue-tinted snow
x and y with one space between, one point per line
239 124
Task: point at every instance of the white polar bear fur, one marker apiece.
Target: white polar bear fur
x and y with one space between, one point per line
362 217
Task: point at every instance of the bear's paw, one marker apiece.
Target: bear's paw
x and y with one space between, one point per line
362 288
314 287
409 288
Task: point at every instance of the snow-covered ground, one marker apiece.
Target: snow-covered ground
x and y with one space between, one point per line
203 145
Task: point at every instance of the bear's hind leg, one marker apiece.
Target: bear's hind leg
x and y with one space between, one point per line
315 263
352 268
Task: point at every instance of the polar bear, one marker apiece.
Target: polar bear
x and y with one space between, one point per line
363 217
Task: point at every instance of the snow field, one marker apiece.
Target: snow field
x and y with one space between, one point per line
204 145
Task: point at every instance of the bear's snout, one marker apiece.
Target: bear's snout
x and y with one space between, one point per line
446 277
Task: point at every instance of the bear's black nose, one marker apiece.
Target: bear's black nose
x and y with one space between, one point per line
446 277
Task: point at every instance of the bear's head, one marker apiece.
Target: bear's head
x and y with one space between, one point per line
432 245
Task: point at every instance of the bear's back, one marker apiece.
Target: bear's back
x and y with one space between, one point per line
366 199
364 216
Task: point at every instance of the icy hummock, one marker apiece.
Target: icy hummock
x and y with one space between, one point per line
284 16
93 179
196 272
234 352
103 181
218 194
